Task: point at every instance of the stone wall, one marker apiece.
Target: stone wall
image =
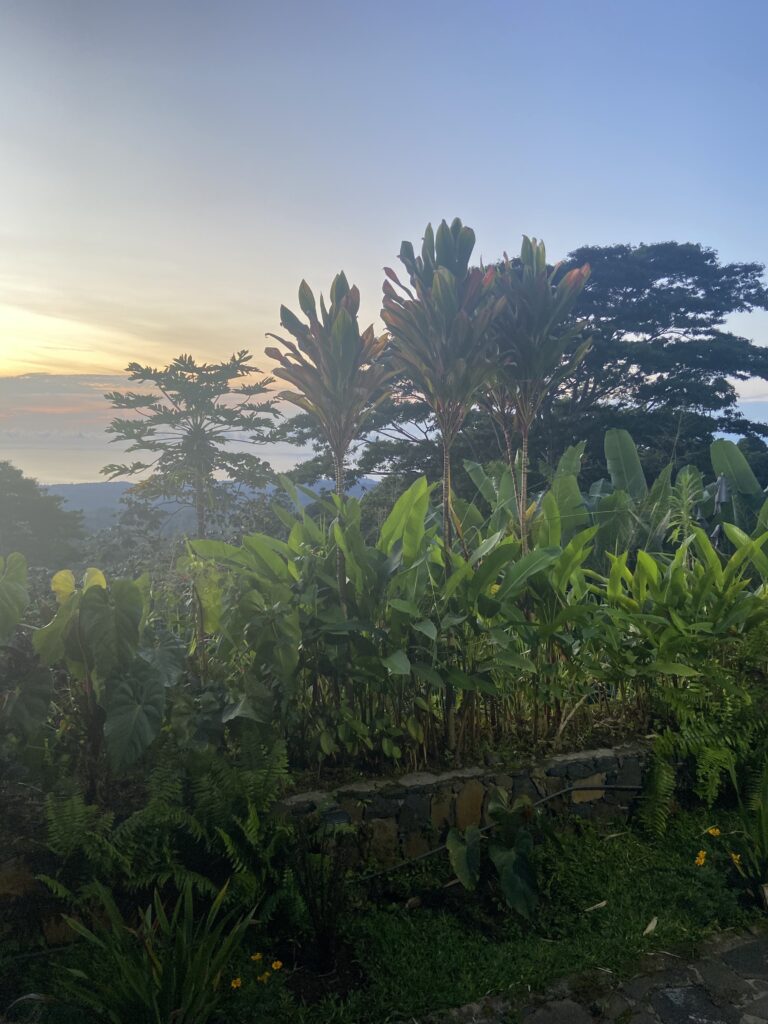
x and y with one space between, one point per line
400 818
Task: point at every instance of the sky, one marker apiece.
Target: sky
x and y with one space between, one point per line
171 169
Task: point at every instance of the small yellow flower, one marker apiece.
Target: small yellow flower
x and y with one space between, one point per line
701 858
713 831
736 858
236 983
263 978
276 965
255 957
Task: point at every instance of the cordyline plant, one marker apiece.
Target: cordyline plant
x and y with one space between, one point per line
439 328
532 334
336 369
338 372
439 333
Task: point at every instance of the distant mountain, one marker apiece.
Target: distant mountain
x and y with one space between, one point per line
100 502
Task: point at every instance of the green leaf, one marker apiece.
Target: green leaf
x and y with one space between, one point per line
427 627
109 624
26 707
464 854
406 607
397 663
624 464
517 575
728 460
13 593
672 668
134 704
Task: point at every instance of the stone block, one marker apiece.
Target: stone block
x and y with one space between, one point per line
588 796
469 804
415 844
441 809
414 812
384 845
382 807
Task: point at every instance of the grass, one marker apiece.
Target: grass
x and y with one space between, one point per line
437 957
457 947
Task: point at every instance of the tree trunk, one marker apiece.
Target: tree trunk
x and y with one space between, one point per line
200 504
524 487
341 569
508 443
447 533
450 695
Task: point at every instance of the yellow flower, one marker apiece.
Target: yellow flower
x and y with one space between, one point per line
263 978
256 957
736 858
276 965
236 983
713 831
701 858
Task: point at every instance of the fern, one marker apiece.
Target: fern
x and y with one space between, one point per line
656 803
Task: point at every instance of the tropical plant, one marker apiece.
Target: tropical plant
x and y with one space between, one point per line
338 371
188 421
439 332
532 334
119 668
504 853
170 967
440 344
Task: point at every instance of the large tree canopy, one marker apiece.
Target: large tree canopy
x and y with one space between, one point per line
35 523
661 356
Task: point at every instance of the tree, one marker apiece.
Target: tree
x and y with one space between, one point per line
35 523
440 346
439 334
189 420
656 316
532 337
661 366
337 370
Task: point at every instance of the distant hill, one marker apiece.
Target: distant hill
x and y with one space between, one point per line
100 502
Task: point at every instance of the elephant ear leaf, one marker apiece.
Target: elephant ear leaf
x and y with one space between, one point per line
464 855
134 703
13 593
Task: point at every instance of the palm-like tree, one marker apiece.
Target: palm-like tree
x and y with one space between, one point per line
439 333
532 333
439 328
337 371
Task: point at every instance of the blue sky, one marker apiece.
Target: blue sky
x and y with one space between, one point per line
173 168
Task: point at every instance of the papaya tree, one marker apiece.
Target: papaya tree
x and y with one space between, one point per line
188 416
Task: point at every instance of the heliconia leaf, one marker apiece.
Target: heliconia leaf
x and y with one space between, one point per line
624 464
728 460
